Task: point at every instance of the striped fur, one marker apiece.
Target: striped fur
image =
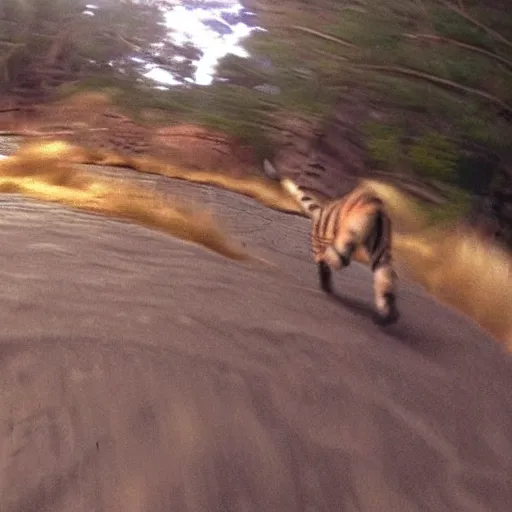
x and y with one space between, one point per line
355 226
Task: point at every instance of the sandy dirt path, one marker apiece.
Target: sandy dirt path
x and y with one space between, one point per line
142 373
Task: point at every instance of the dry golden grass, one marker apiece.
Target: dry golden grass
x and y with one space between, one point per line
263 190
464 271
405 212
44 172
458 267
267 192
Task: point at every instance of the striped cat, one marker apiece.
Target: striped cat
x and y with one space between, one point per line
355 226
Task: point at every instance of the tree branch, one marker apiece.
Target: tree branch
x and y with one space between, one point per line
460 44
327 37
396 70
10 44
462 12
330 55
25 132
121 39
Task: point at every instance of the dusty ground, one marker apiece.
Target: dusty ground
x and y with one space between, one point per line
142 373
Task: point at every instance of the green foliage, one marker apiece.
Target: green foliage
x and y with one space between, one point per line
458 204
434 156
439 116
486 129
384 144
430 156
450 24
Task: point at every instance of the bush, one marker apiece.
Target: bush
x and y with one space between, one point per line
434 156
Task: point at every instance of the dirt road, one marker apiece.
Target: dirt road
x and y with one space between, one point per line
142 373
